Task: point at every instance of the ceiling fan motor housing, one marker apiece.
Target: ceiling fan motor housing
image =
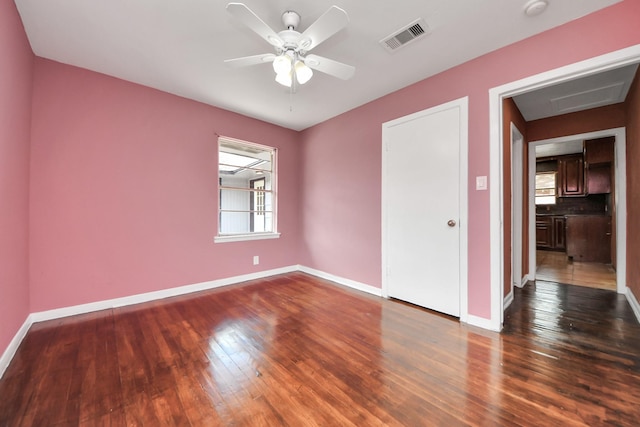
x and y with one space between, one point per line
290 39
291 19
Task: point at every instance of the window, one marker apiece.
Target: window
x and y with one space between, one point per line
246 179
546 188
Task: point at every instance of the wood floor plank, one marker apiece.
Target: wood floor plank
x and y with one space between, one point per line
295 350
557 267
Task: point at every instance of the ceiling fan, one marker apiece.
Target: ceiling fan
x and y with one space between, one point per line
291 62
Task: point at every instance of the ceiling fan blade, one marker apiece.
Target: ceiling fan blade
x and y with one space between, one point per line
251 20
329 66
327 25
250 60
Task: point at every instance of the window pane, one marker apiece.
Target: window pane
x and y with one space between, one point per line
232 162
546 180
244 180
545 188
234 222
546 200
546 192
246 184
236 158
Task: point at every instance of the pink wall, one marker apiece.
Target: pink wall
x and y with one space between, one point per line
16 73
124 190
340 207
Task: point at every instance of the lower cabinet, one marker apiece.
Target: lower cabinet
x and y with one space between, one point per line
588 238
550 233
559 237
544 229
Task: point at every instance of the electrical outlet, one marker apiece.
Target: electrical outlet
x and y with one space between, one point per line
256 260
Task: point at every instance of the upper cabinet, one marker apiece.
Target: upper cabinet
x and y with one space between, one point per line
599 151
571 176
599 158
579 175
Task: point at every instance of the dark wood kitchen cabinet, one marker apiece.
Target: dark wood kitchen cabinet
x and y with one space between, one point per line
544 232
571 176
550 233
588 238
599 178
598 161
558 223
598 151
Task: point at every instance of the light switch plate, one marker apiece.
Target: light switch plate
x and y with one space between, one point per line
481 182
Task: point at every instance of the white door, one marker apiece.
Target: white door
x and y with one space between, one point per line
421 207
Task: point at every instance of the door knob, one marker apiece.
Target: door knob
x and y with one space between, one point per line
451 223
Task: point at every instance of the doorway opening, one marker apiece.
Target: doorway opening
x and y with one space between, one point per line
585 221
575 237
589 67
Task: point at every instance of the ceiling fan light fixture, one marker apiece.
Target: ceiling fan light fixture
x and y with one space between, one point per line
285 79
303 73
290 61
282 64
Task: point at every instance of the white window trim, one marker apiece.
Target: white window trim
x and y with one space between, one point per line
242 237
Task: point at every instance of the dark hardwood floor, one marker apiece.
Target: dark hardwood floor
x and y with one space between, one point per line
295 350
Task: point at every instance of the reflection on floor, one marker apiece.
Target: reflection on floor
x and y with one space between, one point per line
556 267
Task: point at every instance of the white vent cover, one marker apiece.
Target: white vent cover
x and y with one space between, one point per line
414 31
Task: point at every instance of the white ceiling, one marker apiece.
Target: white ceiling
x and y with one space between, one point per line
178 46
596 90
559 148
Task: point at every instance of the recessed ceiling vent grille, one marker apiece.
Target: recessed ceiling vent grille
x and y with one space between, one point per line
412 32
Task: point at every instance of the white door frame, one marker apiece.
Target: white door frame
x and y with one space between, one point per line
619 58
517 149
517 198
620 197
463 105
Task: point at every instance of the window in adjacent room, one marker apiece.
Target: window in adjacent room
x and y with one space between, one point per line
545 188
247 189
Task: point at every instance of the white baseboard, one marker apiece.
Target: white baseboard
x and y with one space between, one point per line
41 316
633 302
483 323
468 319
507 300
57 313
342 281
524 281
8 354
155 295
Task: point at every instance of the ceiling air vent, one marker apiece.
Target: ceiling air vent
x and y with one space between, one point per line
415 30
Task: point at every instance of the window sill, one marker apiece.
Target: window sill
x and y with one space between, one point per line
245 237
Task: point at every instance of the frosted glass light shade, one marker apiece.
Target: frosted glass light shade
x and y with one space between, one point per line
303 73
282 64
285 79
